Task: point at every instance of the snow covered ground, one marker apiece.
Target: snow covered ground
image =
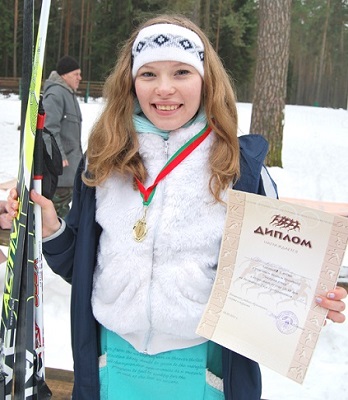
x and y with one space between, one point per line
315 149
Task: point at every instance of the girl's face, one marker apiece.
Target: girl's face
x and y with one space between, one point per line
169 93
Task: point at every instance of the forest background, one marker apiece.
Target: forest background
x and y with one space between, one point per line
94 30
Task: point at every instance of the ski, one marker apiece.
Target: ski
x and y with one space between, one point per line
20 237
24 385
29 368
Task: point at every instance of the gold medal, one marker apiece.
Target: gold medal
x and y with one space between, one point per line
140 228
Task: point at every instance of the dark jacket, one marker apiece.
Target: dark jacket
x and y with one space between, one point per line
63 120
72 255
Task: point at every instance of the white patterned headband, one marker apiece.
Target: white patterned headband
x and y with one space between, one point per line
167 42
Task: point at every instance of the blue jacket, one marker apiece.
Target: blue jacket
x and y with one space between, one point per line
72 255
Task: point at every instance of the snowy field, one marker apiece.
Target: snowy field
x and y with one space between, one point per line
315 162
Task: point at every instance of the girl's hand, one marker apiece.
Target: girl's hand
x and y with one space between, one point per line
333 302
50 221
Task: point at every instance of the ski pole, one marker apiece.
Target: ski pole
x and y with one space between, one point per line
42 388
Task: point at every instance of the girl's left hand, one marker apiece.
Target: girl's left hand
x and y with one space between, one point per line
333 302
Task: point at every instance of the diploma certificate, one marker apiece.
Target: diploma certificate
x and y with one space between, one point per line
275 257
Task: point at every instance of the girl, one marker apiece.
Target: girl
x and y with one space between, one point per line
141 243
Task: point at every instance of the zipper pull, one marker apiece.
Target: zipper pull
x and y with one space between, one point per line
166 146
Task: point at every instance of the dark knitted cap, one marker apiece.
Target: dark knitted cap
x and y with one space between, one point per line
67 64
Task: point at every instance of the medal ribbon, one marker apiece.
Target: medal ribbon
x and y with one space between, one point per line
174 161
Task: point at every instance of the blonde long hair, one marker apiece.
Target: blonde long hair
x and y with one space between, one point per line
113 144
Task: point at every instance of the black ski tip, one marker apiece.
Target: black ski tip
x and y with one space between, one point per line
43 391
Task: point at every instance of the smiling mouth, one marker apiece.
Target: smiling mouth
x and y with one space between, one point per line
166 107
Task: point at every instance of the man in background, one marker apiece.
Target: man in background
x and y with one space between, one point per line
63 120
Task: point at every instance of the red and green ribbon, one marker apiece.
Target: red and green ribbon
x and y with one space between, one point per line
174 161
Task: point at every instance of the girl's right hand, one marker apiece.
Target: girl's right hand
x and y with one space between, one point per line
50 221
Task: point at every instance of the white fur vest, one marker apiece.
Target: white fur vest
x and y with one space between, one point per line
152 293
